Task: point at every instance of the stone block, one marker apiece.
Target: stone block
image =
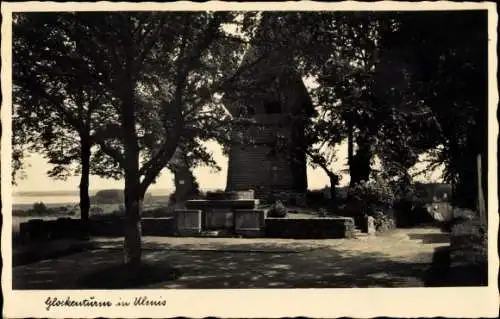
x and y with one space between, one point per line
204 204
218 218
370 224
188 221
249 222
310 228
231 195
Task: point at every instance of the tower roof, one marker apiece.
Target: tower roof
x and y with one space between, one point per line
266 73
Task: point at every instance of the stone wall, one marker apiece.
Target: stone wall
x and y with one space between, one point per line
151 226
341 227
164 226
37 229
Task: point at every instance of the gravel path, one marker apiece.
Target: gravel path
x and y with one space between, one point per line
398 259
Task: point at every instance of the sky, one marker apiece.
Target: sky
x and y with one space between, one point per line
37 180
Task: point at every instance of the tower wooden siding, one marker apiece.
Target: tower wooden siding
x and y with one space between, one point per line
251 168
280 105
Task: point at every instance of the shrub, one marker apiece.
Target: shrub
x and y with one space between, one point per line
316 198
96 210
412 212
374 195
458 216
373 198
430 191
277 210
383 222
40 208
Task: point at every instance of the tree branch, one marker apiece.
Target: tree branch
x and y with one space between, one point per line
152 40
314 158
153 167
57 103
110 151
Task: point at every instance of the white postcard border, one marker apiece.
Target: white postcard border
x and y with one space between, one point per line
351 302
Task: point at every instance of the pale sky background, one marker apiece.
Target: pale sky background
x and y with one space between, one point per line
37 180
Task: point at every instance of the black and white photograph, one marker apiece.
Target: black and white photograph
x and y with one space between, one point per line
247 149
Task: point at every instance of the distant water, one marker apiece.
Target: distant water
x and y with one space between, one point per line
63 197
29 200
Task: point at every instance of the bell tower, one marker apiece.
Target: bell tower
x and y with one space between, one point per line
267 151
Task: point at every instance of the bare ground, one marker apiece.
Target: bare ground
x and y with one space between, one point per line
401 258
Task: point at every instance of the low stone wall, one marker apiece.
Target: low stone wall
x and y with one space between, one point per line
318 228
164 226
151 226
38 229
247 222
106 228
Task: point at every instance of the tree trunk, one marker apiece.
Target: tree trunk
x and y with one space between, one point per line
84 183
359 167
133 201
133 191
334 180
133 195
350 146
132 224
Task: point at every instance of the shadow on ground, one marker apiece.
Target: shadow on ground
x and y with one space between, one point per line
215 269
119 276
221 244
403 258
443 273
433 238
22 255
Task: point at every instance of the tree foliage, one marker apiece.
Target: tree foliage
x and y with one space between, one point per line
55 105
394 85
156 72
449 57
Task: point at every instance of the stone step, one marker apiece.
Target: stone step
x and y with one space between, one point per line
232 195
227 203
216 233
